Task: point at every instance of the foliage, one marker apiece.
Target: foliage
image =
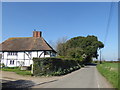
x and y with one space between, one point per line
61 49
95 61
78 47
54 66
74 52
111 61
110 71
2 65
17 70
21 63
60 46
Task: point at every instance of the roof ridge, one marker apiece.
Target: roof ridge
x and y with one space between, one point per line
11 38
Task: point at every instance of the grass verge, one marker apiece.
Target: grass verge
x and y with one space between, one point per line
17 70
110 72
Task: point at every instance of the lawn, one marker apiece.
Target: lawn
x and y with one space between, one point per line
110 72
17 70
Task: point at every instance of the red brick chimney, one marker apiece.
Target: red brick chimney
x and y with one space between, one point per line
37 34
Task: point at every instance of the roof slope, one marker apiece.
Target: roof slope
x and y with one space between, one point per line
25 44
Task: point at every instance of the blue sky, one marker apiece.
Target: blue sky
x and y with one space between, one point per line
57 20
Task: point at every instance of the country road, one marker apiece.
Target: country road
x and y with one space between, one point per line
87 77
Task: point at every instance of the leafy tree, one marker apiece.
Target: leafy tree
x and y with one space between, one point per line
74 52
78 47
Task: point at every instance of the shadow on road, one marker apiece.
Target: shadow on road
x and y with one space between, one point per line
20 84
90 64
17 84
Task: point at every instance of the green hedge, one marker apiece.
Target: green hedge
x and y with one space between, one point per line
54 66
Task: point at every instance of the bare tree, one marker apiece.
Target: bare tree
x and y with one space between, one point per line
60 46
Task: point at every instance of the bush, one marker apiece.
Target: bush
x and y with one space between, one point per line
11 68
54 66
95 61
2 65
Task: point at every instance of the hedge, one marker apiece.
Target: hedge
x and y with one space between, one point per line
54 66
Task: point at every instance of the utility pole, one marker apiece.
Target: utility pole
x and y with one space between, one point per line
100 57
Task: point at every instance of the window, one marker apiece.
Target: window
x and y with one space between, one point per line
47 53
11 62
12 53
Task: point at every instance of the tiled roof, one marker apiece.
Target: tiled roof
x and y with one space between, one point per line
25 44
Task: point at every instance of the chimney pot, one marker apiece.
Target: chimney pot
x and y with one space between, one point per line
37 34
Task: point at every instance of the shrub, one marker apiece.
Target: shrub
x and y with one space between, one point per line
54 66
95 61
2 65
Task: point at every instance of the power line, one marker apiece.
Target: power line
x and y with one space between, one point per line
107 28
108 24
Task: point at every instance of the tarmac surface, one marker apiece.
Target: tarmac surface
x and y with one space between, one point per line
87 77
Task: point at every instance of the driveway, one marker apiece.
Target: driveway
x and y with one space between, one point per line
13 80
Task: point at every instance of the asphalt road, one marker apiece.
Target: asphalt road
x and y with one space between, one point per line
87 77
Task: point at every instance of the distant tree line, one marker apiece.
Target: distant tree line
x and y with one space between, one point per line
83 48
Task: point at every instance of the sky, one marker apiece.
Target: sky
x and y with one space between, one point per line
63 19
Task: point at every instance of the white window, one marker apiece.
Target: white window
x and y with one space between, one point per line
11 62
12 53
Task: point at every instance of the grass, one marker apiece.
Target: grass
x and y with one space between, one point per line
110 72
17 70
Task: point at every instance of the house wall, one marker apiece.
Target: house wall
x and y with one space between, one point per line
24 58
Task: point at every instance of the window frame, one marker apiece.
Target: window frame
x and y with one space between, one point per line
12 53
12 62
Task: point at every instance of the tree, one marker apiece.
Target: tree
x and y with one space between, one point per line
74 52
61 46
80 46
